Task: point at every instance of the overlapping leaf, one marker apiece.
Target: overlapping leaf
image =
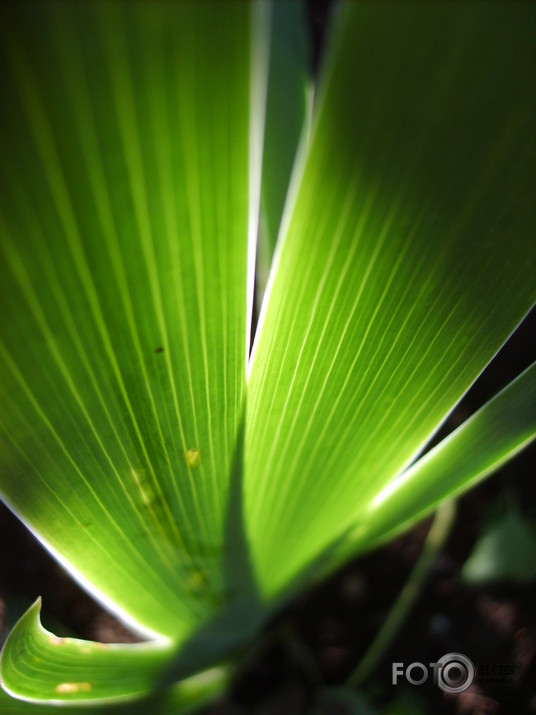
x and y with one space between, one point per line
494 434
287 120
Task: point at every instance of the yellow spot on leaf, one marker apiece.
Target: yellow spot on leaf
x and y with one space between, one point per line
73 687
193 457
147 492
197 581
54 640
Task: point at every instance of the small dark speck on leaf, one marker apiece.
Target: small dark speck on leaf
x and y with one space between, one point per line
159 350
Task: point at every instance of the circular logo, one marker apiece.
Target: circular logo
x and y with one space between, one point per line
456 673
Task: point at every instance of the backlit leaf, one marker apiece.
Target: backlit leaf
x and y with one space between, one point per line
124 200
407 261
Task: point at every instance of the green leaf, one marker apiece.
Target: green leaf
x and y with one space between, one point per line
505 551
492 436
286 121
406 262
124 219
35 665
38 666
182 699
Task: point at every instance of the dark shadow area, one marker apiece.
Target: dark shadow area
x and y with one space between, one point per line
318 14
512 359
242 615
239 576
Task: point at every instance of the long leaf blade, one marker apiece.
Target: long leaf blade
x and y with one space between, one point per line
499 430
124 215
406 263
287 120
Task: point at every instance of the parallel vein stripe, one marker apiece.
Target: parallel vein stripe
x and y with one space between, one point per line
298 450
127 120
21 276
186 110
119 565
53 173
87 483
